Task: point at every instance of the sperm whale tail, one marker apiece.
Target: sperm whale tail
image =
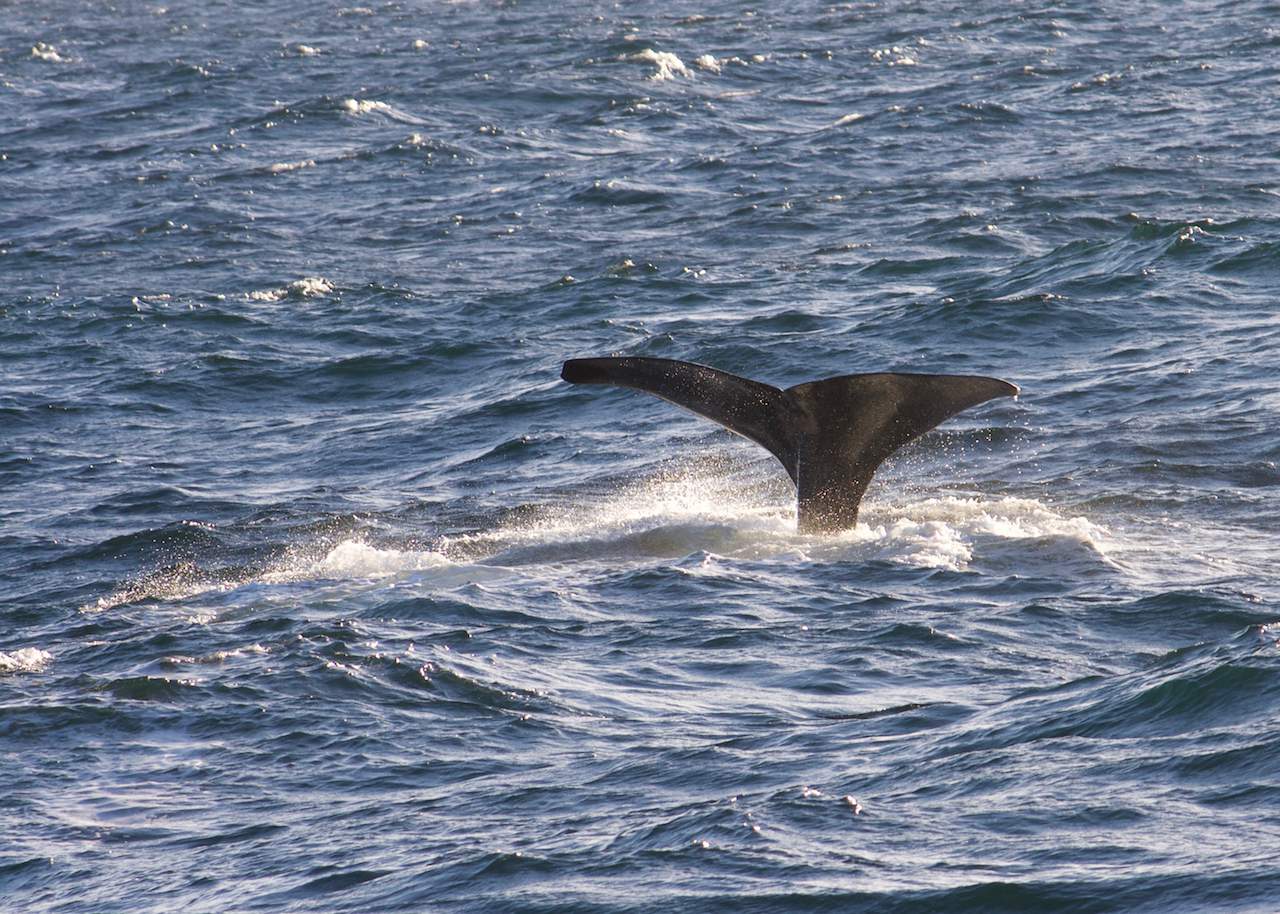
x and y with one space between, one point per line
830 435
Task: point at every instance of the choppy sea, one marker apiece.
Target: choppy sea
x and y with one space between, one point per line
319 590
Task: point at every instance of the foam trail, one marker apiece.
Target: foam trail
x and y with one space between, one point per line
348 560
723 513
355 559
670 516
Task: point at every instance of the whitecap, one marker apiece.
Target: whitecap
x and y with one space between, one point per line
364 105
311 286
307 287
47 52
283 167
707 62
895 56
24 660
667 65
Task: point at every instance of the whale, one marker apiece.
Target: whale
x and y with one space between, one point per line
830 435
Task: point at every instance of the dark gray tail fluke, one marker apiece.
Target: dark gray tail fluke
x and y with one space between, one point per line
753 410
830 435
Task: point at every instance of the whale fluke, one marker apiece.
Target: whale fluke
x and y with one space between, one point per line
830 435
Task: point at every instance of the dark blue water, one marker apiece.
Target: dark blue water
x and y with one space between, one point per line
320 592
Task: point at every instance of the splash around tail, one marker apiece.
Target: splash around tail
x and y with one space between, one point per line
829 435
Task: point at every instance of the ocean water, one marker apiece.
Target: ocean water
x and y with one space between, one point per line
319 590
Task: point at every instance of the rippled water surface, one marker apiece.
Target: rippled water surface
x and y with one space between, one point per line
319 591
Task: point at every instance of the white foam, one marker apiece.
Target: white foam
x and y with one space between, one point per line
945 532
282 167
726 511
707 62
356 559
895 56
364 105
307 287
924 543
47 52
1011 518
719 512
311 286
350 559
666 64
24 660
